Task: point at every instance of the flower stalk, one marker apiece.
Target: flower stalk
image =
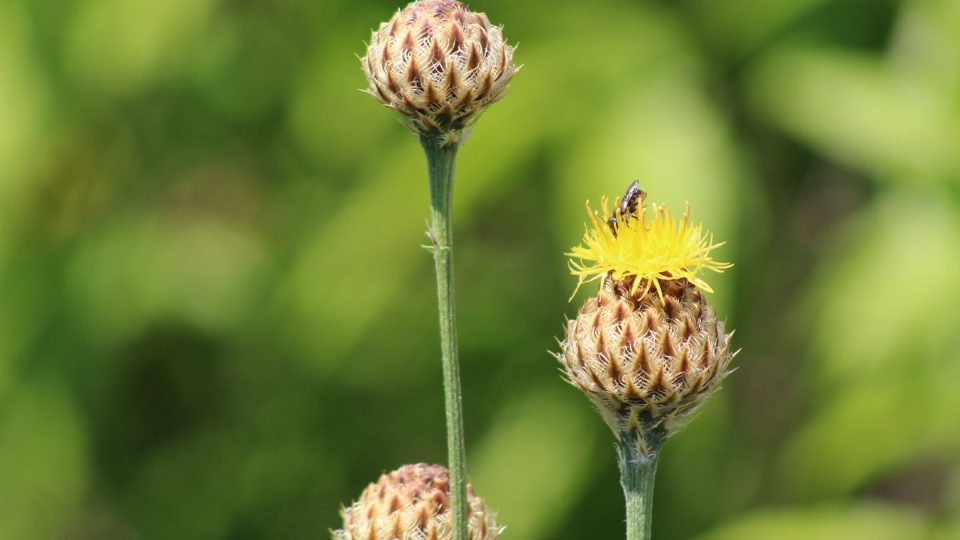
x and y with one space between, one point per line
637 472
440 165
440 65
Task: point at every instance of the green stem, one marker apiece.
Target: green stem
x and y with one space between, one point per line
440 162
637 471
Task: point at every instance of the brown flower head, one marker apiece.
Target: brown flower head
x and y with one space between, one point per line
647 349
440 65
412 503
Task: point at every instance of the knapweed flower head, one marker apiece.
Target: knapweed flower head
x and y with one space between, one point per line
413 503
634 244
647 349
439 65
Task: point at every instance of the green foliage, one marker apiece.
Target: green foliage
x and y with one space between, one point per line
216 321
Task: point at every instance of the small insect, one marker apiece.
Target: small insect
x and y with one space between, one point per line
628 204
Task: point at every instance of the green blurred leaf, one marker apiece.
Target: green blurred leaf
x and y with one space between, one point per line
856 109
865 310
926 42
725 20
860 522
43 471
147 267
884 350
23 108
118 46
531 464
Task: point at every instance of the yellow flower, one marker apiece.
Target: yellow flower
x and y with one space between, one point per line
650 249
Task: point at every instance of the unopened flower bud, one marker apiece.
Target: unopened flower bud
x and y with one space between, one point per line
647 349
413 503
438 64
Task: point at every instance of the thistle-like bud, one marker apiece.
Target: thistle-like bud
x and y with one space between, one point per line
412 503
647 349
440 65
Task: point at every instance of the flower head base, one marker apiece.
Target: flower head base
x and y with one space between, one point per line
652 250
440 65
412 503
646 365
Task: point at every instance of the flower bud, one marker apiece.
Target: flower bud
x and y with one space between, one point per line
646 364
438 64
647 349
412 503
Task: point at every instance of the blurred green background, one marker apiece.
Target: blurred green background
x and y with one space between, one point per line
216 321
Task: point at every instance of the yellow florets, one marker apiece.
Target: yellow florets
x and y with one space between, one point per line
649 249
